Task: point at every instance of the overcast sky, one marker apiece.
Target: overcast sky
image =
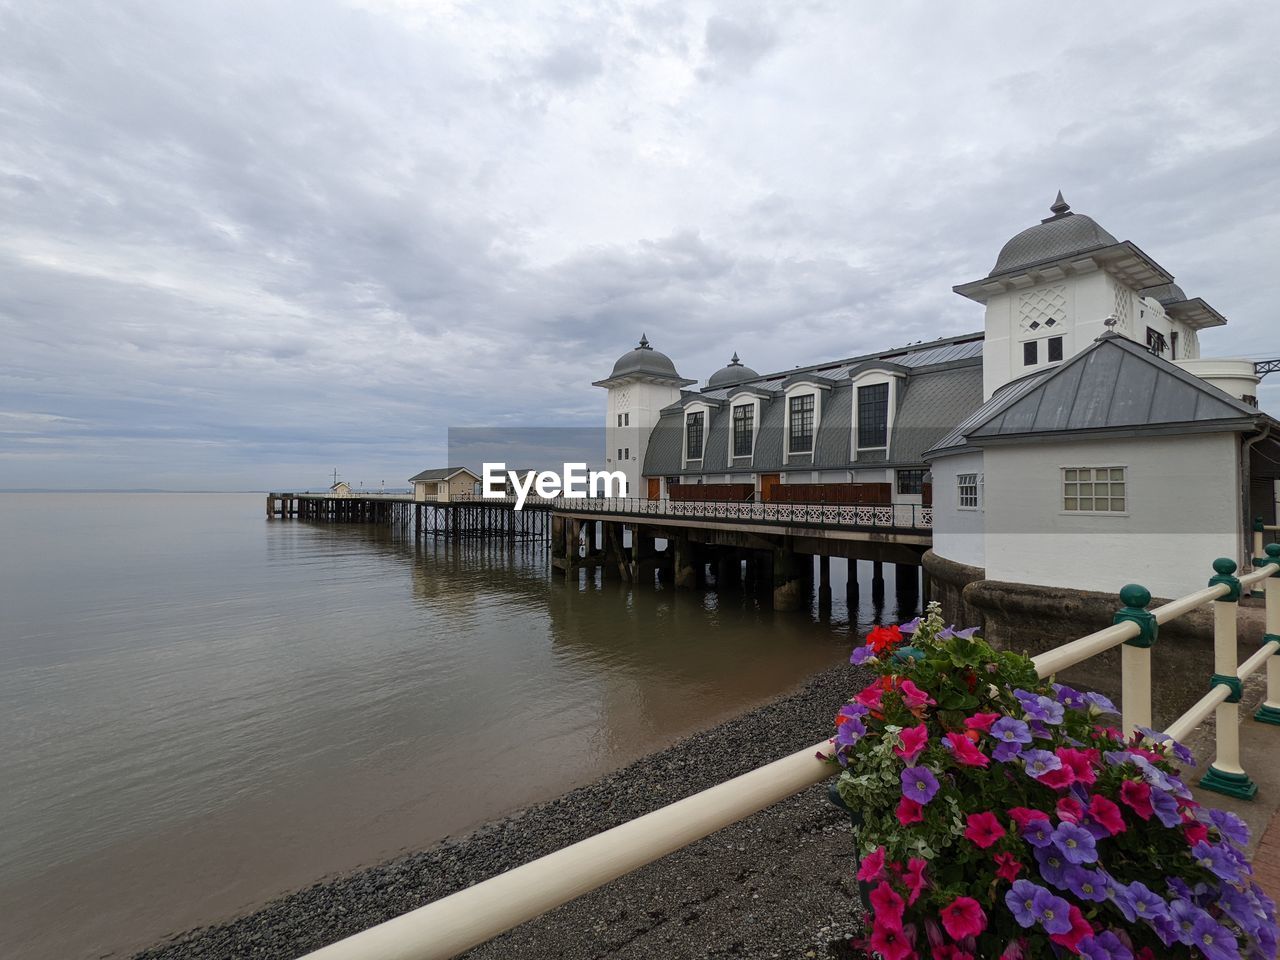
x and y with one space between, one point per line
244 243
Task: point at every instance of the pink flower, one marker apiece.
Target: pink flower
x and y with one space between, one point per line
914 739
1058 779
963 917
1070 810
909 811
982 721
914 697
1137 796
950 951
1106 814
1081 763
965 752
983 829
914 879
1195 832
1007 866
1016 950
887 906
1024 815
890 942
870 696
1080 928
872 866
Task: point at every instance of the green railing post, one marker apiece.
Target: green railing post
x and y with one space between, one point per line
1225 775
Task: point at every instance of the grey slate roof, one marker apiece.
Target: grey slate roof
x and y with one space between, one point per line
440 473
1165 293
1113 387
643 360
1061 235
734 372
928 410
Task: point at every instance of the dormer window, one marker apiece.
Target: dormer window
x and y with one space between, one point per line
873 416
743 429
800 412
693 435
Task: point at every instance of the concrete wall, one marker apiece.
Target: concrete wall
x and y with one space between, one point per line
1183 511
641 402
958 535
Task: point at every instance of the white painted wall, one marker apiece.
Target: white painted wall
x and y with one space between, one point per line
957 534
1184 510
642 401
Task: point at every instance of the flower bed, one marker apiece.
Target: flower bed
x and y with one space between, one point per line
1006 816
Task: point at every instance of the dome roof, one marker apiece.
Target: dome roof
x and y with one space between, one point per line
645 360
735 372
1165 293
1060 235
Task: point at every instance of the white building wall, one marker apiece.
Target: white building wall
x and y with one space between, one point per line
958 534
1183 511
641 402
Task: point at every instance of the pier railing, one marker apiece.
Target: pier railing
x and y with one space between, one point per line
468 918
898 516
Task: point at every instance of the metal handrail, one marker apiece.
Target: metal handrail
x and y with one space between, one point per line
458 922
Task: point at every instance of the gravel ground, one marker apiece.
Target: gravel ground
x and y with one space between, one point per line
778 884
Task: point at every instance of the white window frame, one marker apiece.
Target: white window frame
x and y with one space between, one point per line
976 484
805 390
869 378
749 458
705 410
1076 512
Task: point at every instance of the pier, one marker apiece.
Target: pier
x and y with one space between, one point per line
450 519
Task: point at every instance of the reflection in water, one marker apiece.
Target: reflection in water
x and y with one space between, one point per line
202 709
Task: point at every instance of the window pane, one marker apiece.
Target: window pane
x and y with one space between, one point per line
873 415
1117 504
1029 353
910 481
1117 473
743 422
801 411
1071 503
693 436
1055 348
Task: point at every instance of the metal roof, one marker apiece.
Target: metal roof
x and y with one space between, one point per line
1062 235
440 473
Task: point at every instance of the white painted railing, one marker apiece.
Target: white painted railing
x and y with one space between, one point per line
901 516
465 919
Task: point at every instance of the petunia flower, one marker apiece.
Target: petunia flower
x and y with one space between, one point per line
914 697
1021 901
963 917
1100 703
1007 866
919 784
1136 795
964 750
914 740
1058 779
1081 763
982 721
1230 826
1011 730
1103 946
909 812
872 866
1079 929
1038 833
861 655
1075 843
914 879
1106 813
1051 912
1024 815
1039 762
1053 865
871 696
1086 884
890 943
983 829
887 905
1070 810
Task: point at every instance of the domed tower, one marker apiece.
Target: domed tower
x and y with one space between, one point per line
642 383
1058 286
733 372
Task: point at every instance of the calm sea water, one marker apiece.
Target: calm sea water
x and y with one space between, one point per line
201 709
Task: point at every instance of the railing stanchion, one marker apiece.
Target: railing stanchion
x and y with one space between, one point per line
1135 656
1225 775
1269 712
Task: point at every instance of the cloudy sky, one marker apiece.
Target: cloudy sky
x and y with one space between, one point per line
244 243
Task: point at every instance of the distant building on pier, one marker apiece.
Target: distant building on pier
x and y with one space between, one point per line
443 484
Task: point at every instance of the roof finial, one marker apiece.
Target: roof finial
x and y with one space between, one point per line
644 343
1059 206
735 362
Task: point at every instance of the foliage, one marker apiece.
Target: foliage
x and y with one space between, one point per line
1005 816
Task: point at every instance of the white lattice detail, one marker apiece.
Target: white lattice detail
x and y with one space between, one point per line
622 400
1042 308
1124 310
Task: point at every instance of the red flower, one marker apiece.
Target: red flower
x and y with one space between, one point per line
870 696
1058 779
883 639
887 906
982 721
983 829
963 917
1007 866
909 812
1080 928
913 740
1070 810
1024 815
1107 814
914 879
1137 795
1195 832
914 697
965 752
890 942
872 866
1081 763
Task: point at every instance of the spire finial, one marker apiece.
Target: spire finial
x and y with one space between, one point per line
735 362
644 343
1059 206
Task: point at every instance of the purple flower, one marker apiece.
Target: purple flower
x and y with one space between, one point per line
1184 915
850 732
919 784
861 656
1005 752
1243 908
1038 832
1117 757
911 626
951 631
1155 736
1230 826
1021 901
1075 843
1184 754
1039 729
1104 946
1119 894
1147 905
1011 730
1102 704
1216 860
1069 696
1166 808
1214 940
1053 866
1052 912
1086 884
1039 707
1040 762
